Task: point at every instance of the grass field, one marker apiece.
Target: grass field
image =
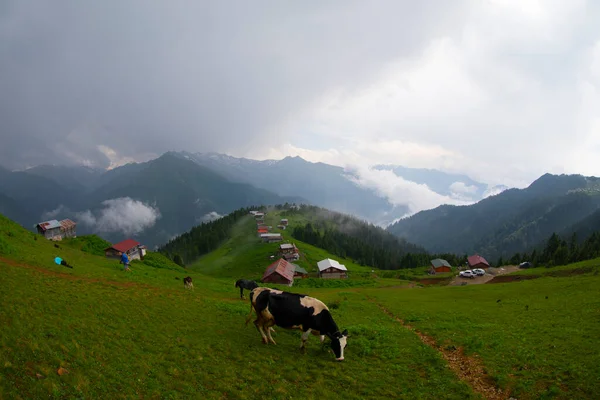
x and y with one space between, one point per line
118 335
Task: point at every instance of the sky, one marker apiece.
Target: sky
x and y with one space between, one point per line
501 90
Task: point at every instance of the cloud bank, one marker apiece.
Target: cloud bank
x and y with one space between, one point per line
123 214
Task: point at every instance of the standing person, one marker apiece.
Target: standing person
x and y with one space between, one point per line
125 261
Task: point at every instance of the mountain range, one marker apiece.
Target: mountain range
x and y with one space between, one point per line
516 220
159 199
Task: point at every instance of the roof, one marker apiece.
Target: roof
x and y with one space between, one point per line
269 235
281 267
67 224
286 246
329 263
125 245
52 224
300 269
476 259
438 262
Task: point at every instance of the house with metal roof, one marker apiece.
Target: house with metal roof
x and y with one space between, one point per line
134 250
49 229
57 230
299 272
440 265
281 272
332 269
271 237
477 261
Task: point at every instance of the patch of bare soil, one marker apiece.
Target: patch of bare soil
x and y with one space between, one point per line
65 275
469 369
435 281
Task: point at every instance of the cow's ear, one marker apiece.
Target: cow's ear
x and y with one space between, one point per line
345 333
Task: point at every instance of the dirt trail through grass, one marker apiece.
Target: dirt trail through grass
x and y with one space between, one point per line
468 369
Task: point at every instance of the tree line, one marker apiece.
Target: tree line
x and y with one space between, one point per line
366 247
202 239
559 251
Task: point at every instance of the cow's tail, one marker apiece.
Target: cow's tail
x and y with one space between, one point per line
249 317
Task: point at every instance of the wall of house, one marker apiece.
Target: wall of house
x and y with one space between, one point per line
442 269
53 234
276 278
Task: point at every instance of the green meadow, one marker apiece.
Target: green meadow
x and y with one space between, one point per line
95 331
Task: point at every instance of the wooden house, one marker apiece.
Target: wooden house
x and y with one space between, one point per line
289 252
331 269
440 265
57 230
68 228
133 249
283 221
280 272
271 237
300 272
477 261
50 229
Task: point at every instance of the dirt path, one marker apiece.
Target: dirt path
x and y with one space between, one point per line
490 274
469 369
72 277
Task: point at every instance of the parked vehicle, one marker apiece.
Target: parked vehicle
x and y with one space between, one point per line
479 272
467 274
525 264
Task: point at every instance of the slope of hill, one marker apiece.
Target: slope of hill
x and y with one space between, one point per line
512 221
74 178
95 331
242 254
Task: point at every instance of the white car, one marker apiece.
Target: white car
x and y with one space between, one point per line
479 272
467 274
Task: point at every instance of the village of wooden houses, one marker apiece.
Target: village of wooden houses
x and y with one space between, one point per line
282 269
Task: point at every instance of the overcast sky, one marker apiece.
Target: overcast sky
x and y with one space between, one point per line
500 90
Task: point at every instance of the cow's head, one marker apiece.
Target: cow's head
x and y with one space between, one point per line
338 344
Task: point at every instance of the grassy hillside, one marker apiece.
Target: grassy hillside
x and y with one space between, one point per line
243 255
95 331
534 337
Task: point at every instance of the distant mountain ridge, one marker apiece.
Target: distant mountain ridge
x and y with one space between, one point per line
334 188
167 196
515 220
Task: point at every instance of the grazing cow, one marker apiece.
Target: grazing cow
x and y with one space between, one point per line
295 311
245 284
187 282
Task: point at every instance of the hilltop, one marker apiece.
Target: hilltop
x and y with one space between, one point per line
514 221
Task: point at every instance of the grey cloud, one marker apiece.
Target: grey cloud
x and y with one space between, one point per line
211 216
144 77
121 215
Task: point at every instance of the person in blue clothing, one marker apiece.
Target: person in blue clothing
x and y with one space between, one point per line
125 261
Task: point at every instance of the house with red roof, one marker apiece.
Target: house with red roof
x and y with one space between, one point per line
476 261
133 249
281 272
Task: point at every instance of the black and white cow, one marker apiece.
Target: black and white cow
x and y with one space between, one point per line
295 311
187 282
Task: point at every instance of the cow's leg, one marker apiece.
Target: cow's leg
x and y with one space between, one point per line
241 292
269 329
305 335
261 331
